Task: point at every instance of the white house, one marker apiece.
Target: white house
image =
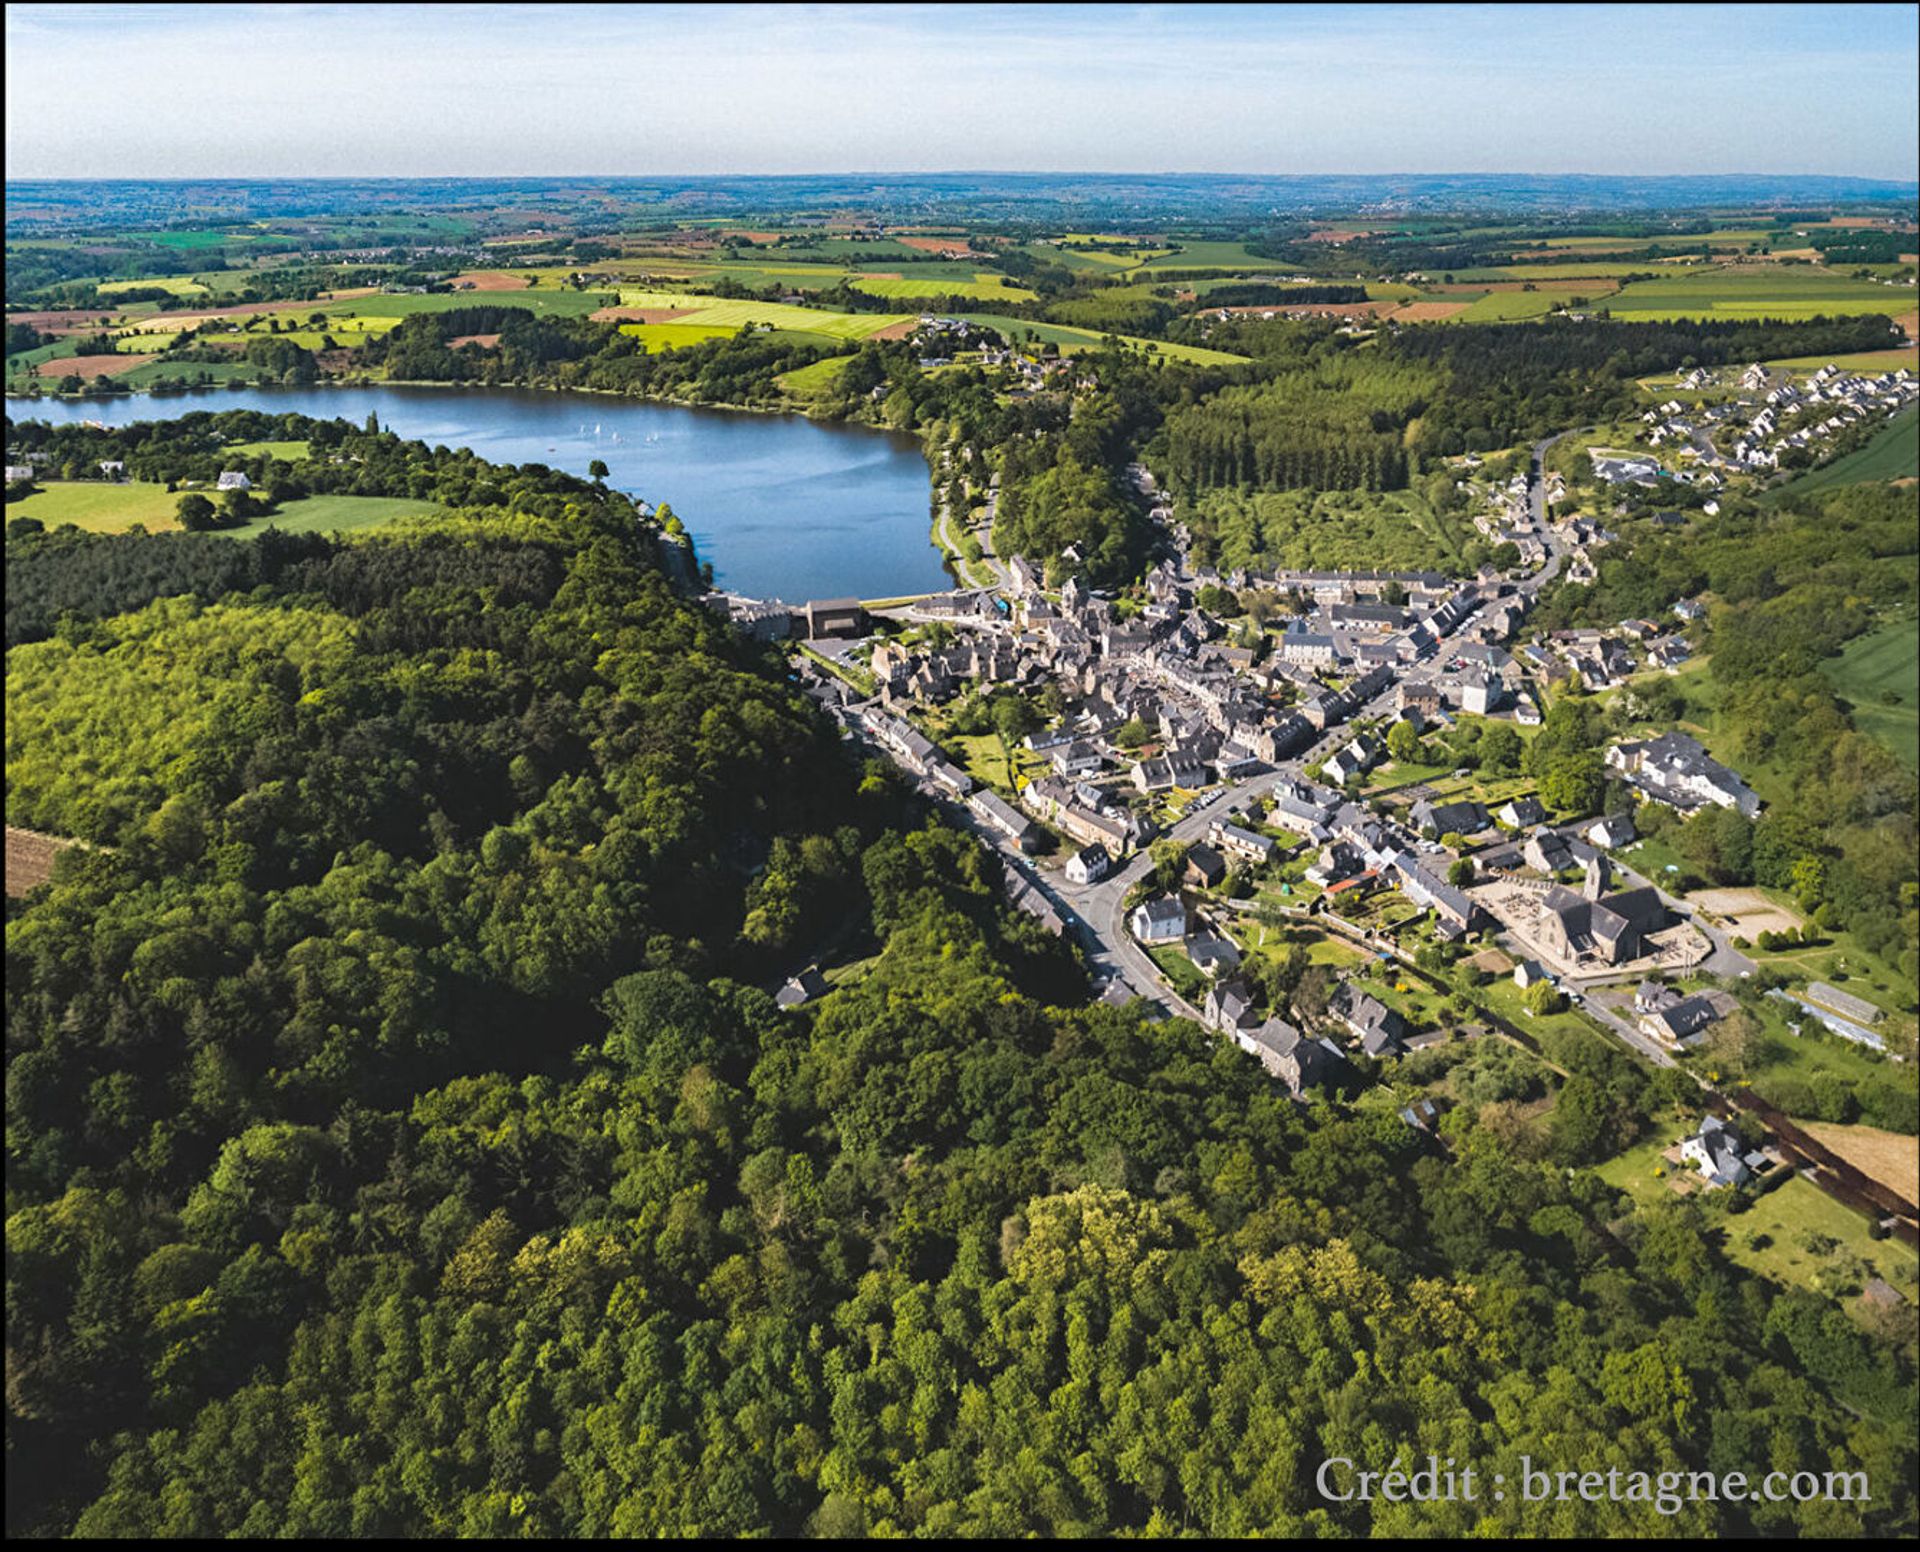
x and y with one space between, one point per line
233 479
1089 865
1716 1152
1159 921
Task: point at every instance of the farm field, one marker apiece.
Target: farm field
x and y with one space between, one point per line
984 288
1513 306
1208 255
99 507
781 315
671 336
179 285
1884 663
1892 455
1869 361
1891 1158
1753 292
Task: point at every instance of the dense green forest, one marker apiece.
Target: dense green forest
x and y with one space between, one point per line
402 1139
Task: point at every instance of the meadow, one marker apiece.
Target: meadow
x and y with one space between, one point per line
1894 454
99 507
1884 663
982 287
1754 291
331 514
815 381
1868 362
671 336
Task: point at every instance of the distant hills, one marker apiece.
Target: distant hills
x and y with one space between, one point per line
1037 196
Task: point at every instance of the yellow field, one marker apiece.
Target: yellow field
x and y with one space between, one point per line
1889 1157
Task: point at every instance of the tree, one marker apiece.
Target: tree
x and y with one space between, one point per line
597 469
1543 997
1574 783
1403 743
1500 749
197 514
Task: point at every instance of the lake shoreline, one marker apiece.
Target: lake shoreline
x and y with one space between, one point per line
787 504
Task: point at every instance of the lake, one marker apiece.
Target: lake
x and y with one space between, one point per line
784 507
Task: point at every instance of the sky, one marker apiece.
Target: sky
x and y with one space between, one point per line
199 91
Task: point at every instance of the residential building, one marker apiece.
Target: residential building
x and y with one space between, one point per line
1717 1152
1088 865
1160 921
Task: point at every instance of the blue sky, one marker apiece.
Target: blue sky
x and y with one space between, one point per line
449 90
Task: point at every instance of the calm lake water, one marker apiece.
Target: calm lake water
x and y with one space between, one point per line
783 507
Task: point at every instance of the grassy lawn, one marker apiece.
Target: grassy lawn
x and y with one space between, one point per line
981 758
1788 1216
1260 942
286 452
813 382
331 514
1634 1171
99 507
1780 1220
1179 971
1884 663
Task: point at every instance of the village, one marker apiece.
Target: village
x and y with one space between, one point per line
1199 800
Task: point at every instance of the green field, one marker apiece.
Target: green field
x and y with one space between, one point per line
1788 1215
1755 292
99 507
1071 339
286 452
1867 361
982 288
332 514
671 336
1515 306
1209 255
179 285
190 372
1882 663
102 508
1892 455
719 314
811 382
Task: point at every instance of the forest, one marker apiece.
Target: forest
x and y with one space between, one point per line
403 1140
